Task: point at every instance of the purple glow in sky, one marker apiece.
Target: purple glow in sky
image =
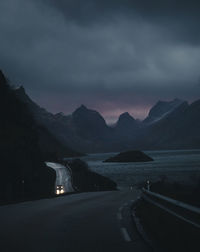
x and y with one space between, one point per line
113 56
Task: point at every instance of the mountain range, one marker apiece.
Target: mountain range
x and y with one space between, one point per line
30 135
26 144
169 125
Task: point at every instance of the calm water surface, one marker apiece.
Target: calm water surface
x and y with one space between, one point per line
178 165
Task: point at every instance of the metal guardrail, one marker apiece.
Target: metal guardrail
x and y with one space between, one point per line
185 212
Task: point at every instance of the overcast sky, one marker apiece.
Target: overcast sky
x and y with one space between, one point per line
111 55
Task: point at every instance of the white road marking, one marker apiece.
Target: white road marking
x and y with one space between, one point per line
125 234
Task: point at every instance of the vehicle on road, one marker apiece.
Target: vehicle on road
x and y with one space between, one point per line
59 189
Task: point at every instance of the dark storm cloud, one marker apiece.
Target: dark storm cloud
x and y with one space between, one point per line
111 55
88 9
182 16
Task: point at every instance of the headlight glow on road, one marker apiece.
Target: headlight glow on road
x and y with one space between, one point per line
59 189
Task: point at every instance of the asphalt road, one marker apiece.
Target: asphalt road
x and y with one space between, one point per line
99 221
63 176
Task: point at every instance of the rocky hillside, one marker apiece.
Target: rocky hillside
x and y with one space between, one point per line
89 124
23 173
85 180
53 132
162 109
177 130
84 130
169 125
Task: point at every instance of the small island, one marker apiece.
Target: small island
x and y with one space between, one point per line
129 156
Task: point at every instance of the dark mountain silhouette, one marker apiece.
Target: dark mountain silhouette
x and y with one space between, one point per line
169 125
51 148
53 130
91 129
126 125
178 130
89 124
162 109
85 130
23 173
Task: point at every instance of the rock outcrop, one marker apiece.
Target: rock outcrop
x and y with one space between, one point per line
85 180
130 156
23 173
162 109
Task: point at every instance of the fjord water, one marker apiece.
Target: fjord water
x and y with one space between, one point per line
175 165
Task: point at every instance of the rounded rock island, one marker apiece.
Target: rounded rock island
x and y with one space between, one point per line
129 156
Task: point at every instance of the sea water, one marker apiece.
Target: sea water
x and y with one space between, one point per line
182 166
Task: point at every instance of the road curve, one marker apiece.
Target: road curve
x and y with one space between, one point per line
63 176
96 222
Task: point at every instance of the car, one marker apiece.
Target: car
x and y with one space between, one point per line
59 189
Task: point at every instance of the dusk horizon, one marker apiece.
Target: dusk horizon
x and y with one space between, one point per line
112 56
110 113
99 125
